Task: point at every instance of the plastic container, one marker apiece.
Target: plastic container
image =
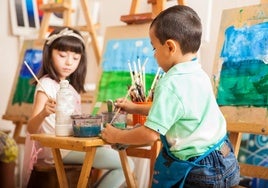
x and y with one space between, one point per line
120 120
86 125
107 117
65 106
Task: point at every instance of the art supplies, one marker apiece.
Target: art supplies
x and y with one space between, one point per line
138 82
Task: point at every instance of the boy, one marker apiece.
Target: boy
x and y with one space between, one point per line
184 113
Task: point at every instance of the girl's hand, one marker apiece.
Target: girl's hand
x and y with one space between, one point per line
50 107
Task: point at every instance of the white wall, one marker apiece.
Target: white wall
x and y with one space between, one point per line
9 50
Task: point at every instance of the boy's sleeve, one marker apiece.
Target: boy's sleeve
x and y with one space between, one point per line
165 111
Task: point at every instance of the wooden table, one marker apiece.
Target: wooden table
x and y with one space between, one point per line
87 145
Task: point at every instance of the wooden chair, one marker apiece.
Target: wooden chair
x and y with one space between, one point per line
150 152
44 175
236 130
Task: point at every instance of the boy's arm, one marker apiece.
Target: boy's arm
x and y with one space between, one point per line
133 108
137 136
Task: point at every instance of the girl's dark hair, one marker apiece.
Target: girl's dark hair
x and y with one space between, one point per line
65 43
180 23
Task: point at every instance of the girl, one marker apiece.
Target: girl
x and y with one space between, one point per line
64 57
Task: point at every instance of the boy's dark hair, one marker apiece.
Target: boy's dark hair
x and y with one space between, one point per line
65 43
180 23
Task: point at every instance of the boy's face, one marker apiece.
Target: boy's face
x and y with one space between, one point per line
161 52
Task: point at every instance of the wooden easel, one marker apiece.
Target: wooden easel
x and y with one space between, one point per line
65 7
135 18
18 122
244 119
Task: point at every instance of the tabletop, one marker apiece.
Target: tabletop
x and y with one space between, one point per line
68 142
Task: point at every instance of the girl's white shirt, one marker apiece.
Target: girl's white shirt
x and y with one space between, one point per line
51 88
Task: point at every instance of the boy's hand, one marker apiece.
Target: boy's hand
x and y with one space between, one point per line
109 134
125 105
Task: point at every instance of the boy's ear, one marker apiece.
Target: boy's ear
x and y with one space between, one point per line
171 45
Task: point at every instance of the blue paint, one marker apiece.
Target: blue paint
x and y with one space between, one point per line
244 73
121 51
254 151
246 43
116 77
24 92
87 131
34 59
30 11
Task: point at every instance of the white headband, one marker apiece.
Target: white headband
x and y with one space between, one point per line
64 32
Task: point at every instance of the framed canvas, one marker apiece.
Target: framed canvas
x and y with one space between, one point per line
241 68
24 17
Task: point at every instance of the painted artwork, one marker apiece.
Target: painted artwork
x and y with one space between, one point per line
241 72
116 78
24 17
34 59
244 73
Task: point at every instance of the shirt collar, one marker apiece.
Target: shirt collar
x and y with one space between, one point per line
185 67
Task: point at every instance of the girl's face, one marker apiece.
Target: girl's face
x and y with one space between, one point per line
65 62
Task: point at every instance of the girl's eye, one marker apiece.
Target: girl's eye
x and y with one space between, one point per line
153 49
77 57
62 54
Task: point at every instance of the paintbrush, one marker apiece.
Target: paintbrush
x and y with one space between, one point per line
29 68
153 84
118 110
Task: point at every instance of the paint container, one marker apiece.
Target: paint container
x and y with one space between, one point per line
86 125
120 121
138 118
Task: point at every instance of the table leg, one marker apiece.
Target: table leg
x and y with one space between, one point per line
127 171
86 168
59 168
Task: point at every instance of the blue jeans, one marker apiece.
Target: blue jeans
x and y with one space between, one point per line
220 171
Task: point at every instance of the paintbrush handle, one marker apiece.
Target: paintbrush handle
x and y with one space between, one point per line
118 110
29 68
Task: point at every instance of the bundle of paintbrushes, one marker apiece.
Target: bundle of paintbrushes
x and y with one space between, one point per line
151 91
138 91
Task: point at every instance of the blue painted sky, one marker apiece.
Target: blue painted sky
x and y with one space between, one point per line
121 51
246 43
34 59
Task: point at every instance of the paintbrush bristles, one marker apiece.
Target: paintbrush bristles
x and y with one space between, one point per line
138 81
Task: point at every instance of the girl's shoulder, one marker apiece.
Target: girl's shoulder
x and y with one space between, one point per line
49 85
47 79
48 82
